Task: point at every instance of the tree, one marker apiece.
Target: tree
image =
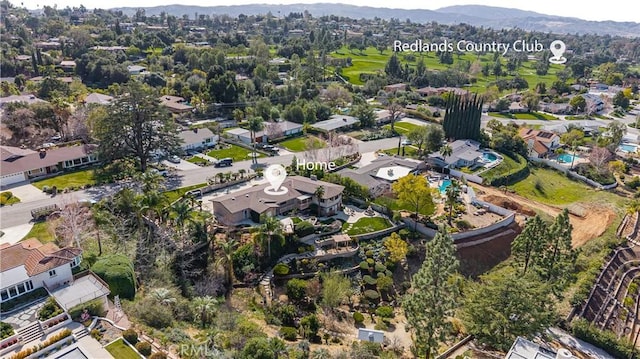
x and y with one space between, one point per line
225 260
270 228
204 308
527 246
599 158
462 117
633 207
433 294
143 127
397 247
418 137
74 225
578 103
319 193
616 131
558 258
505 305
446 151
451 198
117 271
620 100
414 192
296 289
365 114
336 288
395 110
255 124
531 101
163 296
393 68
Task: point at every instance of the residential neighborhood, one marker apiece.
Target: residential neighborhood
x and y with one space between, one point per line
207 182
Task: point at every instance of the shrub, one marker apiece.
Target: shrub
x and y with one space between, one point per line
281 269
304 228
46 189
131 336
364 265
158 355
94 307
117 271
311 325
380 267
606 339
591 172
381 325
95 334
463 224
385 312
296 289
144 348
358 317
371 295
49 310
289 333
6 330
369 280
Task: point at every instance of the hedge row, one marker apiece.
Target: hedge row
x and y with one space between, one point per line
604 339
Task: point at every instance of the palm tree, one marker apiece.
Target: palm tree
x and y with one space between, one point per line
319 193
182 211
163 296
446 150
270 228
204 308
227 249
452 193
242 172
255 123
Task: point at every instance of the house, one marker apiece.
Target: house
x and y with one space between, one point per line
437 91
540 143
594 102
382 117
249 204
28 99
175 104
19 164
336 122
396 87
556 108
98 99
29 265
198 138
381 173
464 153
371 335
68 65
136 69
239 134
525 349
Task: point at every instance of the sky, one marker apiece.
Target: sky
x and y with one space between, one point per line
616 10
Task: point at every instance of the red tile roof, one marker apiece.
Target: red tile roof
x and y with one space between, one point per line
36 257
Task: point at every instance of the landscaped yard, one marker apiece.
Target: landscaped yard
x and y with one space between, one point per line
507 165
552 187
7 198
41 231
402 127
524 116
297 144
197 160
68 180
234 152
395 205
175 194
409 151
366 225
119 349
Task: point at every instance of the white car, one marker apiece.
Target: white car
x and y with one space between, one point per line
405 142
174 159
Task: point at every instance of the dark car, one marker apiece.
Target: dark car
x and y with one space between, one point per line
225 162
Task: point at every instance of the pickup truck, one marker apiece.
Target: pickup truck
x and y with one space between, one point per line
41 213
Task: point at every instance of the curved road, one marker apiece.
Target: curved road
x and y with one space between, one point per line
20 213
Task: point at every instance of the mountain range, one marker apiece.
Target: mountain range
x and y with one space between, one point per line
476 15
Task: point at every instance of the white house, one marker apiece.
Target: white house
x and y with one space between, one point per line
272 130
198 138
29 265
136 69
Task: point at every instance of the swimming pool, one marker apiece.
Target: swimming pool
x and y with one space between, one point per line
489 157
567 158
628 148
444 185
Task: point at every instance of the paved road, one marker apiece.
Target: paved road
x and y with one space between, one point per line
20 213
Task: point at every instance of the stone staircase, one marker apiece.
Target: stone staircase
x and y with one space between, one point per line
80 332
30 333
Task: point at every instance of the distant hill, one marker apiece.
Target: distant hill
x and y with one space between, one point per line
477 15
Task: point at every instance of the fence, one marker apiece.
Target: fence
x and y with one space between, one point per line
430 232
468 176
570 173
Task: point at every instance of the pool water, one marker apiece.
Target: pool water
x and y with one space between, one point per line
489 157
567 158
444 185
628 148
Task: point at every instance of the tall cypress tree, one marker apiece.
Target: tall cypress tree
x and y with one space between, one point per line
433 295
462 117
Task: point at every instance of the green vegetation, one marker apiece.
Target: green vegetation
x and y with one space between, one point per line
6 330
366 225
605 339
508 171
26 298
175 194
297 144
75 179
409 151
234 152
7 198
396 205
402 127
117 271
119 349
49 310
551 187
94 307
197 160
524 116
41 231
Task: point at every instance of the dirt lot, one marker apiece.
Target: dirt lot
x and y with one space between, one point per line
591 222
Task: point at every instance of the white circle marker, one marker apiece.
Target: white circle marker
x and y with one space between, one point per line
557 48
275 174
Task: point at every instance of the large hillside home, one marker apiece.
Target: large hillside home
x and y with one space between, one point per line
464 153
29 265
540 143
197 139
19 164
250 203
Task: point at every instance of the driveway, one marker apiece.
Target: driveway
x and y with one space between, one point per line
14 234
28 193
182 166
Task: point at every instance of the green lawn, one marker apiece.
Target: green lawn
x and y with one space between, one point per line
119 349
371 61
402 127
41 231
409 151
299 144
197 160
7 198
68 180
507 165
237 153
366 225
395 205
175 194
552 187
525 116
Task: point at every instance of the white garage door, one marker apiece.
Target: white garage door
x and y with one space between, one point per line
11 179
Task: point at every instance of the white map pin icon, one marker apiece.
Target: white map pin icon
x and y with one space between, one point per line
557 48
275 174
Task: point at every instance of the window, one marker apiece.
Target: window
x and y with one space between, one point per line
29 285
13 292
52 273
21 288
76 161
4 295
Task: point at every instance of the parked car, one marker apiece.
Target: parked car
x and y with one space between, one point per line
194 193
225 162
163 173
174 159
405 142
270 148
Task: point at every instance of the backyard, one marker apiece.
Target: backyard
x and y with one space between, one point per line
551 187
366 225
234 152
299 144
68 180
119 349
508 165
